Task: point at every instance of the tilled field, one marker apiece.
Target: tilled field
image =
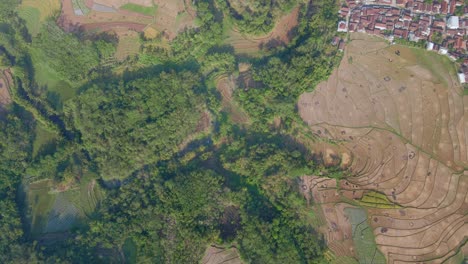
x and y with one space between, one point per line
402 117
168 17
6 81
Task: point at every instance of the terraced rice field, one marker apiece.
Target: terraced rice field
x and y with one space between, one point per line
39 203
226 86
243 43
52 211
403 120
64 214
46 8
129 44
167 17
34 12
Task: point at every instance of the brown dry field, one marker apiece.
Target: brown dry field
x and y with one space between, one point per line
5 83
243 43
404 129
128 43
170 18
215 255
226 86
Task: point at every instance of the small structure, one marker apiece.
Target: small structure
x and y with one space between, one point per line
342 26
443 51
453 22
341 46
430 46
461 77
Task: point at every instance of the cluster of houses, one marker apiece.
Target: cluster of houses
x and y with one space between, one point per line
442 25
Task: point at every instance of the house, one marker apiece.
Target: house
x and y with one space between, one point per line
342 26
380 26
341 46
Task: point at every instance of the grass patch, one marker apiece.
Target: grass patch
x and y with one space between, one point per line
38 206
363 237
130 251
32 16
50 79
127 46
434 63
377 200
344 260
465 91
44 141
145 10
47 8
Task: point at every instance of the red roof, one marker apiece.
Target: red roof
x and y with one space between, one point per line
444 7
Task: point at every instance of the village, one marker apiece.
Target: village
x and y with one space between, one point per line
440 26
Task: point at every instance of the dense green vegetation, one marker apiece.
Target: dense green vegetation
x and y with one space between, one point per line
156 113
172 187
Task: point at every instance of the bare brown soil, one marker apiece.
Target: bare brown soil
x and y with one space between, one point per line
5 83
277 37
216 255
405 130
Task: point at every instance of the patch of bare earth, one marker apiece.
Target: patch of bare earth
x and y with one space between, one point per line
218 255
406 136
280 35
6 81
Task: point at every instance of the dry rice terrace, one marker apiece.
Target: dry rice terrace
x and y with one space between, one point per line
166 17
401 116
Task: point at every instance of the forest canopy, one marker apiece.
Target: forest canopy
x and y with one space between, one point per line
125 125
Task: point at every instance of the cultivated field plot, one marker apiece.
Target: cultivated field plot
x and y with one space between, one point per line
243 43
168 17
402 116
226 86
5 83
34 12
216 255
52 211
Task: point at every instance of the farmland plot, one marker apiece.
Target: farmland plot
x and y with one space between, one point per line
279 35
35 12
404 120
50 210
169 17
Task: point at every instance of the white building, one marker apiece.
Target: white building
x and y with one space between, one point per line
430 46
461 77
443 51
453 22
